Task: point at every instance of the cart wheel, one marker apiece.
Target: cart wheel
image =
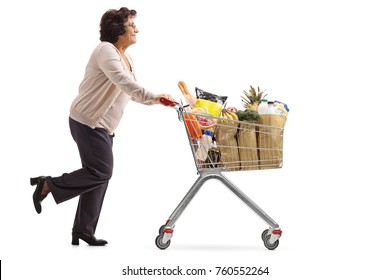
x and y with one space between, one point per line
160 244
268 245
264 234
161 230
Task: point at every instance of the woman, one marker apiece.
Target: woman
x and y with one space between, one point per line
109 83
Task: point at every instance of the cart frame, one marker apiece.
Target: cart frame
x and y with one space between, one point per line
269 236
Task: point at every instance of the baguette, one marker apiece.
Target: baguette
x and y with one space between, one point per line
190 99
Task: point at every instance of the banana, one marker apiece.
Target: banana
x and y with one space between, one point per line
233 115
226 115
222 115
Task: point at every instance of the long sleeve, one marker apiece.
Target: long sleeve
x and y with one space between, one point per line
106 89
108 59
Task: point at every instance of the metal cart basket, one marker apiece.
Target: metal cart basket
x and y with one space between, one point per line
221 145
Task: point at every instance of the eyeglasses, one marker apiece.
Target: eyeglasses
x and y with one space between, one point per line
131 25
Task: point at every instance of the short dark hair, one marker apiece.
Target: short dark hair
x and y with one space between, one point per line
112 24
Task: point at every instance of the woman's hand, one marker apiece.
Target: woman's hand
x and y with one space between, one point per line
168 96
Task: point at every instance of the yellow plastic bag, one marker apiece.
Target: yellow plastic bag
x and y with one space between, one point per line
212 103
211 107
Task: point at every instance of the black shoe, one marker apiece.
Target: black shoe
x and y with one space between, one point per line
90 239
38 196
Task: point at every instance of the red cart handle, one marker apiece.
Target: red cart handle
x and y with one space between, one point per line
167 102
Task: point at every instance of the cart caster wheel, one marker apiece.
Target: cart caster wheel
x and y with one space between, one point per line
268 245
161 230
264 234
160 244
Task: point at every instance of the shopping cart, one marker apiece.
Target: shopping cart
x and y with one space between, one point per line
234 146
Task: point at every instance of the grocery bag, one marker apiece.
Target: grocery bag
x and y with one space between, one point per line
225 135
247 143
270 141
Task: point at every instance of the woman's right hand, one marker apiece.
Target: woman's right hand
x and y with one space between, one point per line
167 96
166 100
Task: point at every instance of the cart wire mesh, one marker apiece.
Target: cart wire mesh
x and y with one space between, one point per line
233 145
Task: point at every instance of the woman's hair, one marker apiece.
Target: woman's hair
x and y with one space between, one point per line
112 24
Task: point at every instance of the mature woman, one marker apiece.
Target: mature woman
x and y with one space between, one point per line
109 83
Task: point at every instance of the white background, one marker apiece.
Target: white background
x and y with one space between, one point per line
328 60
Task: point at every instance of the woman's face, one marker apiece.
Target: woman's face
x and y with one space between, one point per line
130 36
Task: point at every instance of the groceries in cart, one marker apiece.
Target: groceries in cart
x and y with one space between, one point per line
232 139
204 145
212 103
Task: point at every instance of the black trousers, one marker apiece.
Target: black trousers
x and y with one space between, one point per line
89 182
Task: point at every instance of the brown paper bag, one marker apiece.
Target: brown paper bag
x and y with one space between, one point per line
247 143
225 134
270 141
